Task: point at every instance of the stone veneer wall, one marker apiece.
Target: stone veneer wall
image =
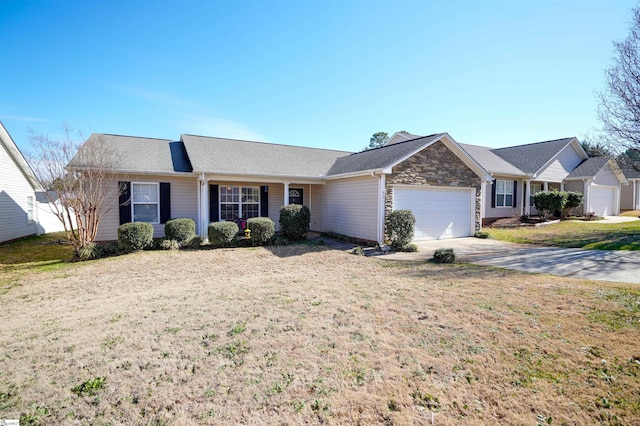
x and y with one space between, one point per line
435 165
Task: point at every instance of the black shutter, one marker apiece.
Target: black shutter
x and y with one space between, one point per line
264 201
124 201
493 193
165 202
515 193
214 213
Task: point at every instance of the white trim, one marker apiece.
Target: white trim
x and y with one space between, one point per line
357 174
382 196
286 194
303 180
513 190
157 203
240 203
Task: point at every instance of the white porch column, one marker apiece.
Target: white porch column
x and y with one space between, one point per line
527 196
545 186
562 186
286 193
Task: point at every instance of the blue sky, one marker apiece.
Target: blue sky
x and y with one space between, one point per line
312 73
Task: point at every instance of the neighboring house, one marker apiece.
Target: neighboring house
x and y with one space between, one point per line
599 179
630 194
24 209
519 172
212 179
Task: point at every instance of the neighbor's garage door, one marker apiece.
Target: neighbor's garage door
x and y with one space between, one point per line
439 212
602 200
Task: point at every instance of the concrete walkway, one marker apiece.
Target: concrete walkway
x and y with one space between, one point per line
602 265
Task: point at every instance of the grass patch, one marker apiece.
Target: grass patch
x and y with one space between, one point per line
36 251
568 234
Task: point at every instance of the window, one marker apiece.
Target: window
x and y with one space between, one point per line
535 188
145 202
30 209
239 202
504 193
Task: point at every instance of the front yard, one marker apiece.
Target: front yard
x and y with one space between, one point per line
304 334
575 234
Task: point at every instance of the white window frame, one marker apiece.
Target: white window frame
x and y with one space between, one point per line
532 192
30 208
157 203
507 184
240 203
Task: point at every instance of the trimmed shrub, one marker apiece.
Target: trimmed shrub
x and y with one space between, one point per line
110 249
444 256
574 199
181 230
410 248
134 236
169 245
549 202
400 228
294 221
194 243
222 234
262 229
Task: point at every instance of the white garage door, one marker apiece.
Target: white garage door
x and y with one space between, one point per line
440 212
602 200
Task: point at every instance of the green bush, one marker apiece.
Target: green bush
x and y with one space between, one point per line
194 243
169 244
134 236
262 229
410 248
358 251
481 234
400 228
89 252
444 256
294 221
574 199
181 230
222 234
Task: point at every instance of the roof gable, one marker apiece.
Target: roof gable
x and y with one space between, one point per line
590 167
532 158
19 160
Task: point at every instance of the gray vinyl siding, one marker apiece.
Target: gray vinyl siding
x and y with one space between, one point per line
184 203
626 195
567 160
347 206
14 190
492 212
574 186
606 177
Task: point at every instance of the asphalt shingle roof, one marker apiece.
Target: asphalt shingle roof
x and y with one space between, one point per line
230 156
379 158
490 161
531 157
138 154
588 168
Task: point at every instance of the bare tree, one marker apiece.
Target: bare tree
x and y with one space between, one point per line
78 195
619 103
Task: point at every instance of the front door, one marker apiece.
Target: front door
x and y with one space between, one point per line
295 196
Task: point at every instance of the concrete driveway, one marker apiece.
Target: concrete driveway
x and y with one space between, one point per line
603 265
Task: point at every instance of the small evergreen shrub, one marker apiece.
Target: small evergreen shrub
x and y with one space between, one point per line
110 249
444 256
400 228
222 234
134 236
181 230
167 244
89 252
574 199
358 251
482 235
410 248
294 221
262 229
279 240
194 243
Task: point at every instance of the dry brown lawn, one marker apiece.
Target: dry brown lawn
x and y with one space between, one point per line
294 335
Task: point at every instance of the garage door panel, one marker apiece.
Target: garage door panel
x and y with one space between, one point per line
602 200
440 213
